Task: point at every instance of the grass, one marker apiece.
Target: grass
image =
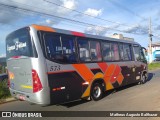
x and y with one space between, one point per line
4 91
153 66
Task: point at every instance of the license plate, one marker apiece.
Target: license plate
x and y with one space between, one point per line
21 97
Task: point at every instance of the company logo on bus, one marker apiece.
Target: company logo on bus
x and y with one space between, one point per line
16 46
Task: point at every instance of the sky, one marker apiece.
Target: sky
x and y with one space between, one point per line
101 17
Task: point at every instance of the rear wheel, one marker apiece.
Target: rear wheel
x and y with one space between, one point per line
97 91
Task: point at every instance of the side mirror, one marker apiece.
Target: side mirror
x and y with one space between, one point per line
144 54
145 51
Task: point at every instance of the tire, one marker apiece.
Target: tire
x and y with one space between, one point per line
143 78
96 91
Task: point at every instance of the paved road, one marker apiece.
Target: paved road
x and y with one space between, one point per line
132 98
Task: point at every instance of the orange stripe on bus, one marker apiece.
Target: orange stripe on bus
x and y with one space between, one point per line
120 78
84 71
115 74
86 74
111 73
98 75
103 66
107 78
109 86
110 70
117 70
43 28
87 91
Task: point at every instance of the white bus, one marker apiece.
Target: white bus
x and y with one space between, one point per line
51 66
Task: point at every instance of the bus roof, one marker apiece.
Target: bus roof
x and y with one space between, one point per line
74 33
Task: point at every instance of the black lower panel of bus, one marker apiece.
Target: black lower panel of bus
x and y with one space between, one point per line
65 87
95 71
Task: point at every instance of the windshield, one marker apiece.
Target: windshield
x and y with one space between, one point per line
18 43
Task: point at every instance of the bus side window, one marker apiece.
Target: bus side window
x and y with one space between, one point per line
60 48
127 52
83 47
142 54
121 51
95 51
106 48
137 53
53 45
69 49
115 52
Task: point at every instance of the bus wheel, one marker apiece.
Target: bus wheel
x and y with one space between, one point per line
143 78
96 91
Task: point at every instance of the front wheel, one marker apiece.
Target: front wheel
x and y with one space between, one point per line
143 78
97 91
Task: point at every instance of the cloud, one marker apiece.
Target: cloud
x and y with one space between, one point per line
157 27
96 30
11 15
49 21
100 30
138 29
8 16
2 55
93 12
12 19
5 30
70 4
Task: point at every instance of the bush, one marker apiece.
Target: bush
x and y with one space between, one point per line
154 66
2 69
4 91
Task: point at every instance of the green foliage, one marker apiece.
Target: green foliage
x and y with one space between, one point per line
2 69
154 66
4 91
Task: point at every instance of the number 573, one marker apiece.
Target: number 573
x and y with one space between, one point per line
55 68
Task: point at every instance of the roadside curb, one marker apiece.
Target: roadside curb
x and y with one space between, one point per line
2 101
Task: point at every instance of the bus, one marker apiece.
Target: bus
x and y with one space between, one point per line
51 66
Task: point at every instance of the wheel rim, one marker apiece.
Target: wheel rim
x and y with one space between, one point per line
96 92
143 78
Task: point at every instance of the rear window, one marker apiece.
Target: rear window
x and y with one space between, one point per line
18 43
